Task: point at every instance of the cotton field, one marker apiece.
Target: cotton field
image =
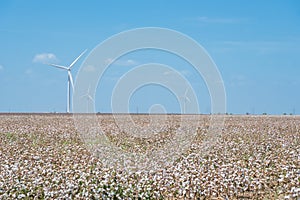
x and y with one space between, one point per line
254 157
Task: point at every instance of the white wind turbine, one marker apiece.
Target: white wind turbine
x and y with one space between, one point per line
70 79
185 99
89 98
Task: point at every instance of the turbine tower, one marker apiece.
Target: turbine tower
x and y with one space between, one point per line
70 79
185 99
89 99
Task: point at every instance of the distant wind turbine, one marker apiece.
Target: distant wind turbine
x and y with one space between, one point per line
185 99
70 79
89 98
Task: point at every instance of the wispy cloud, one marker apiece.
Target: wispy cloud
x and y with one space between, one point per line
180 72
29 71
186 72
215 20
121 27
120 62
204 19
238 80
44 58
261 47
1 67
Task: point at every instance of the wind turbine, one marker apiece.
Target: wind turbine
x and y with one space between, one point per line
70 79
185 99
88 98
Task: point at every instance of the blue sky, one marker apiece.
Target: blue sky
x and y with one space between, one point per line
255 44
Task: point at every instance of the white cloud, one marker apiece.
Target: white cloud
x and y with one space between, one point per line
108 61
175 72
1 67
120 62
90 68
128 62
44 58
168 73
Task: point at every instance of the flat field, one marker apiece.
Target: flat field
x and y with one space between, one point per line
42 156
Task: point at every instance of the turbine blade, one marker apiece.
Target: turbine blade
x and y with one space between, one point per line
88 91
71 79
185 95
186 91
83 96
91 98
188 99
58 66
70 67
88 97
